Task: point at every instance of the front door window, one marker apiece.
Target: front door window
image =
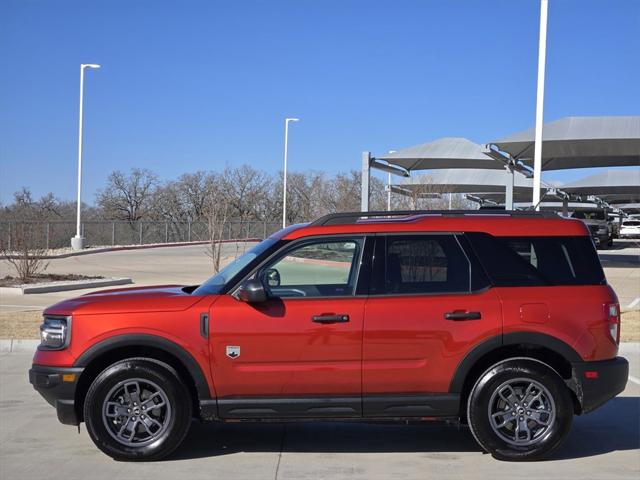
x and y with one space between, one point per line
317 269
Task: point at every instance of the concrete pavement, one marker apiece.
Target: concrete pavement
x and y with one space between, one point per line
187 265
33 445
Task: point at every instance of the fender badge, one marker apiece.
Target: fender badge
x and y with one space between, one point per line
233 351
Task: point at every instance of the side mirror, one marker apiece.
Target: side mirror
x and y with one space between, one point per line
272 277
252 291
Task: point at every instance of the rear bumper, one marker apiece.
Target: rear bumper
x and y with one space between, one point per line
57 385
595 383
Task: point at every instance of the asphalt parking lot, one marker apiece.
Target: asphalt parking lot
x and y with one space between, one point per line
33 445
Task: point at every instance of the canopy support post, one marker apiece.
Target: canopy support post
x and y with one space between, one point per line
508 203
565 206
365 180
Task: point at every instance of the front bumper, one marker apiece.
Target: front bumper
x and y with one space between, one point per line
58 387
600 238
595 383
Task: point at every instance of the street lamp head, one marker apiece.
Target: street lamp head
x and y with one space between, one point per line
292 119
90 65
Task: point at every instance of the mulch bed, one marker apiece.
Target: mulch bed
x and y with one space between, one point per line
10 281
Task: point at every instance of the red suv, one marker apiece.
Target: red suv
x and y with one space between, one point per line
501 321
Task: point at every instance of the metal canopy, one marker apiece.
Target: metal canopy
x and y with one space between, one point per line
609 182
465 181
580 142
448 152
630 208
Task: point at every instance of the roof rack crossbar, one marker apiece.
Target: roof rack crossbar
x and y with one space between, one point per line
344 218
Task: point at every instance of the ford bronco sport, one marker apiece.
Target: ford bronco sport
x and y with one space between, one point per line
502 321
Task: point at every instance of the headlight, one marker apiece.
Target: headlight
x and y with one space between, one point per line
55 333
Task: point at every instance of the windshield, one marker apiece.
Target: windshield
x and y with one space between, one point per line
215 284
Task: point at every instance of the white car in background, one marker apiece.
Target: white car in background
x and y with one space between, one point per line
630 229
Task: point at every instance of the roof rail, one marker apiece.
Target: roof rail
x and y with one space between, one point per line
344 218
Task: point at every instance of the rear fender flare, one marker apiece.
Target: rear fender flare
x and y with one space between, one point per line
516 338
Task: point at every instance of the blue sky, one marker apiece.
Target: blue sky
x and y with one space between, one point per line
197 85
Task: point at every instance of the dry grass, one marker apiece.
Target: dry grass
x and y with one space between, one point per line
630 326
26 325
20 324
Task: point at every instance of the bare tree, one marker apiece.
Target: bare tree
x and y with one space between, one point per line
305 192
217 214
127 197
23 251
420 193
342 193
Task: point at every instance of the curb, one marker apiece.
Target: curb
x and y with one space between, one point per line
18 345
63 286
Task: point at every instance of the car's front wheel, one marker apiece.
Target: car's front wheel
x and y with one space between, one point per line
138 409
520 409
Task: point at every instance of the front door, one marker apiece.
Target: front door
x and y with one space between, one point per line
299 353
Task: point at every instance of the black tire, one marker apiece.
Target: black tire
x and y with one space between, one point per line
485 396
147 373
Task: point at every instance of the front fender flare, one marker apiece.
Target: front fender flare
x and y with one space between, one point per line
147 340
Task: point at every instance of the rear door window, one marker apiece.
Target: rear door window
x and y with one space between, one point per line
416 264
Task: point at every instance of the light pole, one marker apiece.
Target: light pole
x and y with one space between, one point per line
78 240
284 179
537 149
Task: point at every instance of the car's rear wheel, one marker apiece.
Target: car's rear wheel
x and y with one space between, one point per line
520 409
137 409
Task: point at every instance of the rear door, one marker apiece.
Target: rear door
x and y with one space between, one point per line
427 308
299 353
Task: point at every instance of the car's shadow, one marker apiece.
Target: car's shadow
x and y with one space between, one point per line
612 427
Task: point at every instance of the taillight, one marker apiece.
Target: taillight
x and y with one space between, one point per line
613 317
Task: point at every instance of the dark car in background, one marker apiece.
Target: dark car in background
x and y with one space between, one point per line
599 226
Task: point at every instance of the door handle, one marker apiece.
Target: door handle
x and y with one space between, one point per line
459 315
330 318
204 325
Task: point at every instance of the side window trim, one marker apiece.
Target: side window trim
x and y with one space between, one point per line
468 261
365 268
477 270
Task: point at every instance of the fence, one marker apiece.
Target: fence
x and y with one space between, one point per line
57 234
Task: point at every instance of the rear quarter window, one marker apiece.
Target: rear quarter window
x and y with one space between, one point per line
538 261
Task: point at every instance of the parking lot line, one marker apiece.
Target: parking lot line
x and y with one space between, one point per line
634 303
